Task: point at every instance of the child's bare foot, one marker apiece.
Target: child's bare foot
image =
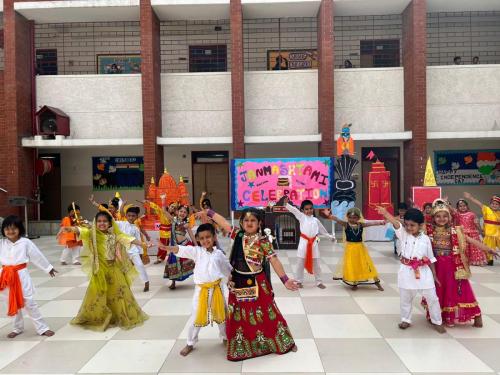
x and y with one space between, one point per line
294 349
13 334
186 350
172 286
379 286
439 328
158 261
321 286
64 264
224 342
48 333
478 321
77 264
354 287
403 325
300 285
146 286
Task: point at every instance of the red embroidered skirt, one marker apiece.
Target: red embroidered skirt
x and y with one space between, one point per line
256 328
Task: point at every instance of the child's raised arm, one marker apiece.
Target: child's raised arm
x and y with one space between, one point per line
391 219
292 209
328 214
473 200
218 219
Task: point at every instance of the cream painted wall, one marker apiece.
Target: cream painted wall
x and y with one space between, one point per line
99 106
196 104
284 102
463 98
483 193
370 99
179 163
76 176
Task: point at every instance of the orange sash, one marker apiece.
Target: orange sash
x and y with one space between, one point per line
9 278
308 264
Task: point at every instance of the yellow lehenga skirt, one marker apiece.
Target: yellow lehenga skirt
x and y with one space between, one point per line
109 301
356 266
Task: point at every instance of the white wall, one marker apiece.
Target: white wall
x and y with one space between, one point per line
196 104
455 192
99 106
281 102
463 98
76 176
371 99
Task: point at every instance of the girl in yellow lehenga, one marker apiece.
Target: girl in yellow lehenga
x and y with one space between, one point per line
108 301
356 267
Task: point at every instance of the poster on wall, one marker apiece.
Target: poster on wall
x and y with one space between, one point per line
292 59
425 194
479 167
117 173
257 182
118 64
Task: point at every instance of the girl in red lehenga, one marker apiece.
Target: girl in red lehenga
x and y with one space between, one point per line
457 300
254 324
468 220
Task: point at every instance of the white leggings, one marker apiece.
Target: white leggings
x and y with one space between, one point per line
139 266
31 308
72 253
406 304
299 273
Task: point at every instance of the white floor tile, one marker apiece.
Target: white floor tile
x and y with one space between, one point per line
49 293
490 305
77 272
436 355
208 332
14 349
492 286
129 356
332 290
290 305
384 305
368 373
386 268
491 330
306 359
70 332
165 307
60 309
330 326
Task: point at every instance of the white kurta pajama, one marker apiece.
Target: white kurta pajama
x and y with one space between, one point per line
209 267
311 227
20 252
134 251
409 286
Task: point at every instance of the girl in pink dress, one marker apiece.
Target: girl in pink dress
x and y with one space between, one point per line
468 220
449 243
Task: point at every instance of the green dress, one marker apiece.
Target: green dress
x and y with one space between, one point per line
108 301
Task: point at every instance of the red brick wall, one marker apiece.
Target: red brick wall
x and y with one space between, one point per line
326 119
237 79
16 162
151 92
415 104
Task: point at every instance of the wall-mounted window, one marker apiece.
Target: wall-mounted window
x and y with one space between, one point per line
46 62
379 53
208 58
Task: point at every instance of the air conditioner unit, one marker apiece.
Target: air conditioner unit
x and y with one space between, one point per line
52 121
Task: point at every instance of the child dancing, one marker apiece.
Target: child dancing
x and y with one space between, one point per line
356 267
416 273
468 220
72 246
308 250
16 252
211 267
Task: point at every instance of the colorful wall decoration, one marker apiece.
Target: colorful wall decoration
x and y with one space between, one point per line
117 173
257 182
118 64
478 167
344 194
292 59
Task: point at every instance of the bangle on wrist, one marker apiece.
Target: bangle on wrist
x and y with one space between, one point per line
210 213
284 279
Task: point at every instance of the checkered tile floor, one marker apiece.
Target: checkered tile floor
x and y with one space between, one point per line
337 330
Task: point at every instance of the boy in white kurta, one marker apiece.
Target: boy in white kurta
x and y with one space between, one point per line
209 300
416 273
15 254
308 250
134 252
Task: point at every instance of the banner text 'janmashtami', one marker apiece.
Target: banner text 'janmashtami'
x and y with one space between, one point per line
256 182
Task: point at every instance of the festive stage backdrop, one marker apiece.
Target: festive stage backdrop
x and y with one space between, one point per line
480 167
117 173
256 182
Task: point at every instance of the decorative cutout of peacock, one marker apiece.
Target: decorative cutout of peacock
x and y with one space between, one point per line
344 195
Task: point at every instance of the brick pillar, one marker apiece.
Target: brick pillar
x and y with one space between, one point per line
415 103
16 162
237 79
151 92
326 119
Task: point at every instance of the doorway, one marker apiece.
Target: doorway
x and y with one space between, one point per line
50 189
390 156
211 174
